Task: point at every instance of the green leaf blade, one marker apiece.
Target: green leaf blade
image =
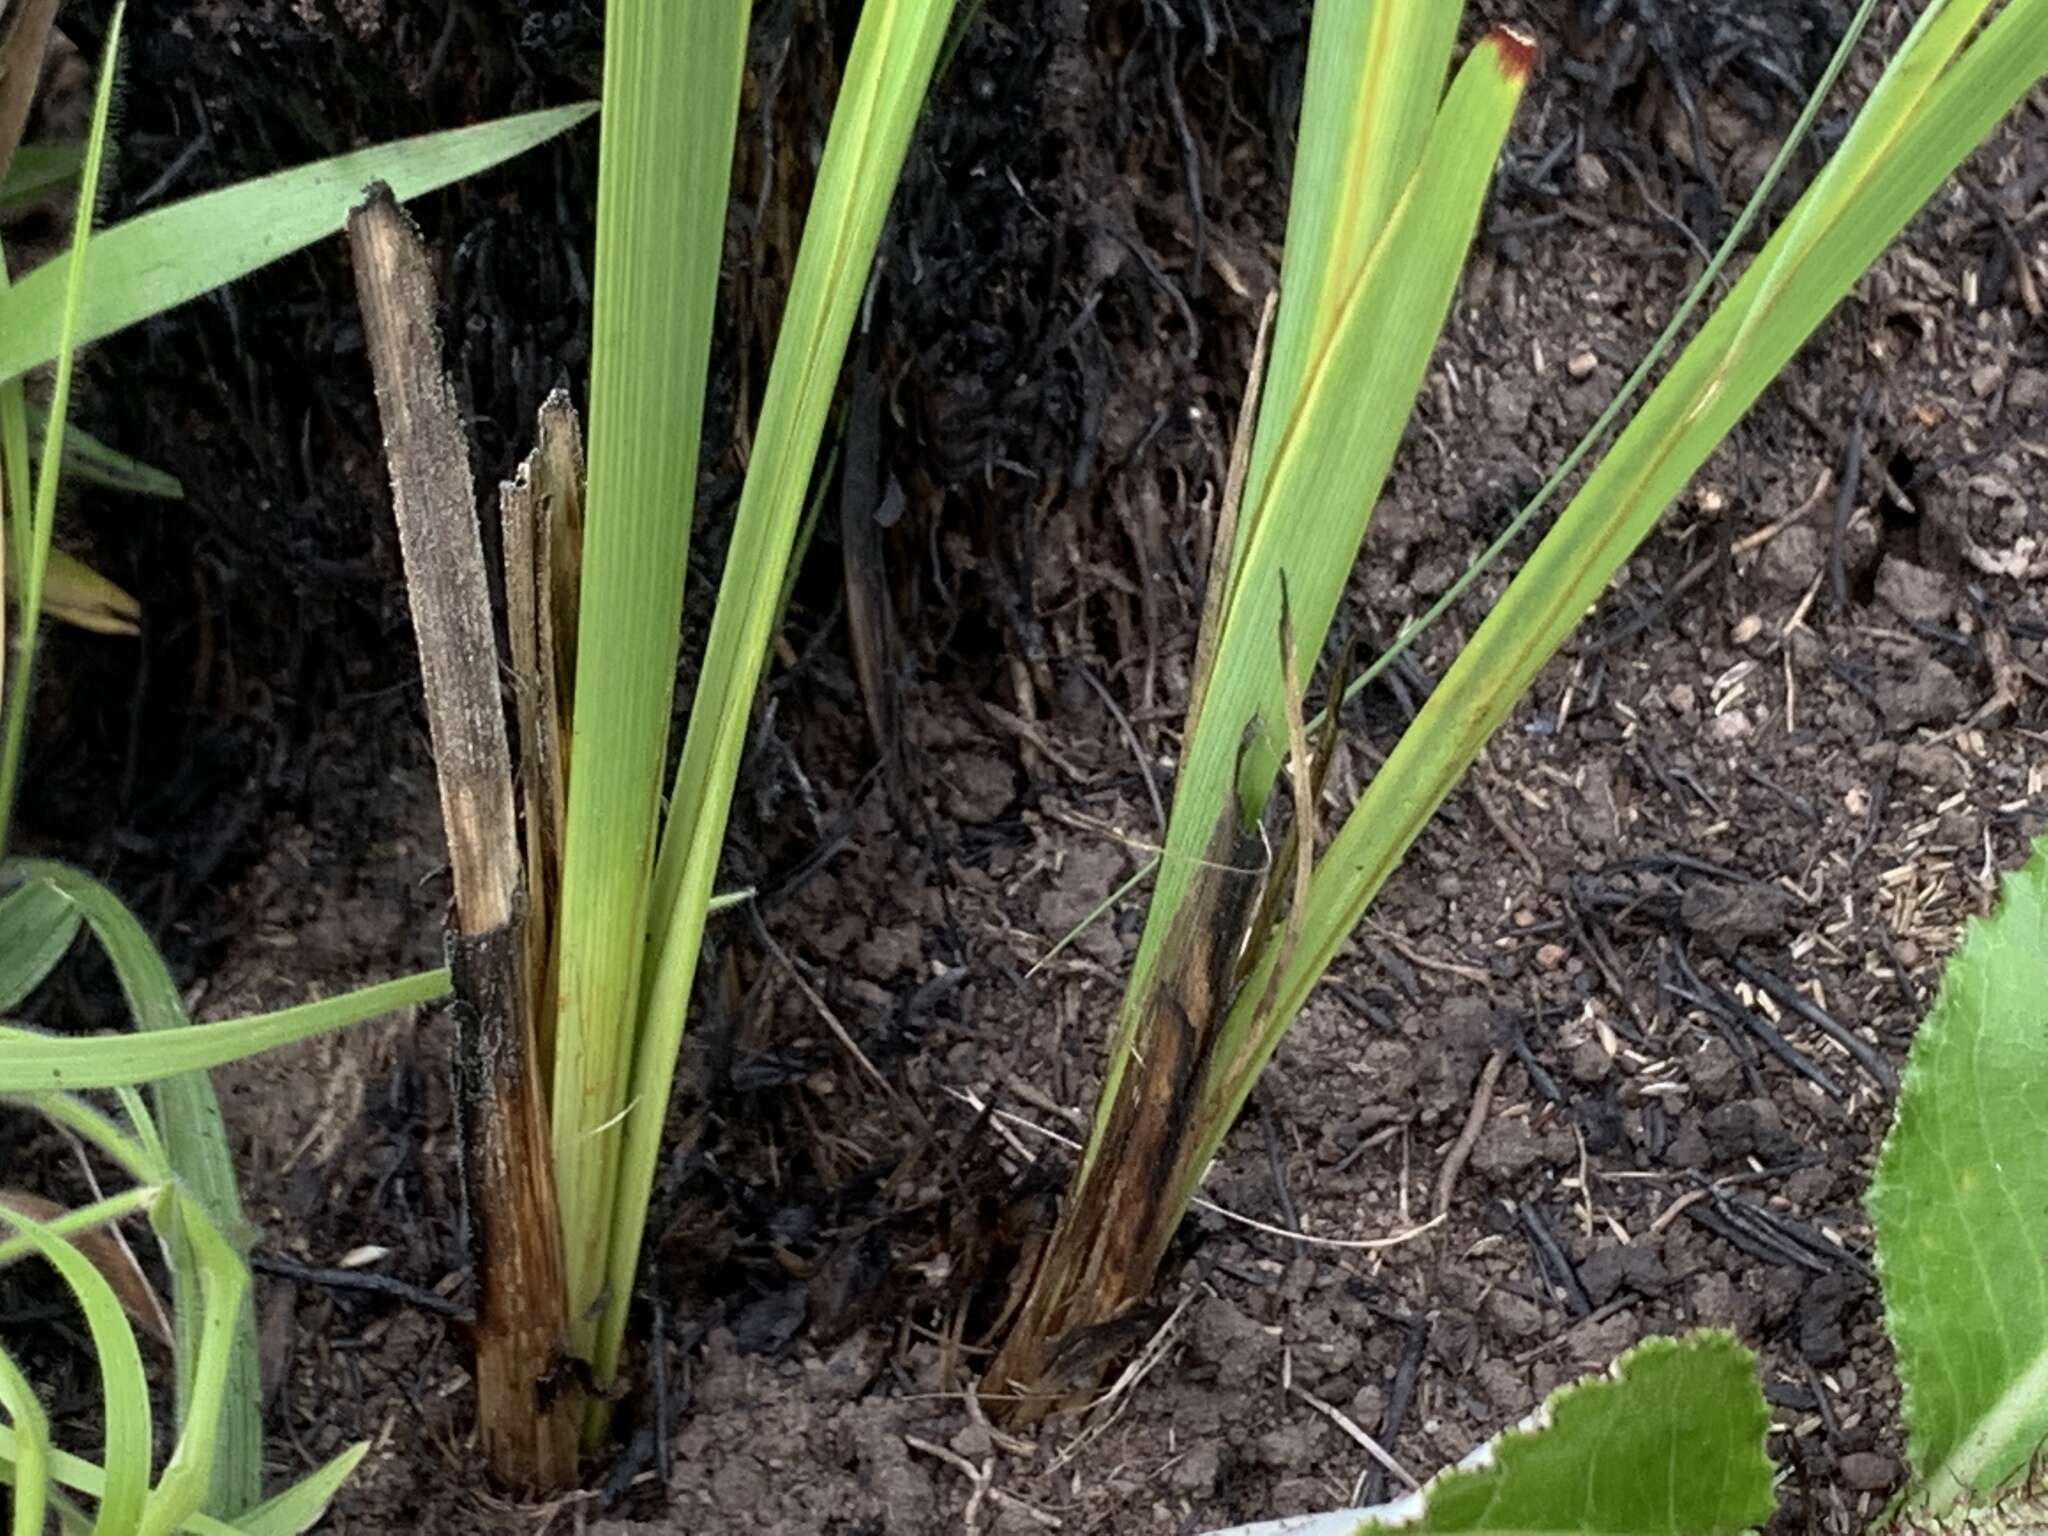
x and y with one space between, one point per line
40 168
1375 79
125 1388
30 1473
300 1506
35 1063
159 260
888 72
1960 1206
672 90
1841 225
1670 1443
195 1136
1327 470
37 926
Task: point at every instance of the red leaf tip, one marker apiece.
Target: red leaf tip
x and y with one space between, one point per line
1517 51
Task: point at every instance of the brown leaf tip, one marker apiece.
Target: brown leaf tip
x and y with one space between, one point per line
1517 51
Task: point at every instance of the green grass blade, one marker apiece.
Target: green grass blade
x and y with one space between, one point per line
124 1387
671 89
87 458
35 1062
64 307
1738 232
30 1450
1375 80
84 1219
887 72
224 1385
300 1506
1326 473
195 1137
1805 269
139 1157
15 497
37 926
40 168
291 1512
160 259
1960 1207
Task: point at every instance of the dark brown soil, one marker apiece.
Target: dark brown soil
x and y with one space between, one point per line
1599 1014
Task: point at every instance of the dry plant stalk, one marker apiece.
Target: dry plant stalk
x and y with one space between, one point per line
1084 1300
541 514
527 1422
24 39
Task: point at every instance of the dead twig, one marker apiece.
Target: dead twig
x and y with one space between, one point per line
1468 1138
515 1227
1370 1446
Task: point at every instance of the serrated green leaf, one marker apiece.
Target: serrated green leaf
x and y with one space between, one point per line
1669 1443
1960 1207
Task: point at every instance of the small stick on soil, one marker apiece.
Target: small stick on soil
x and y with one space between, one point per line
818 1004
1756 1246
1823 1403
1587 935
362 1280
1791 997
1796 1236
1557 1265
1399 1396
1130 735
1780 1047
1592 1319
1770 531
1468 1138
977 1477
1276 1162
1002 1439
1902 976
1509 833
1678 1208
1417 957
1343 1421
1845 499
1539 1079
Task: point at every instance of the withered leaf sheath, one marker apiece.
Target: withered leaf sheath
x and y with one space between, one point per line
514 1224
